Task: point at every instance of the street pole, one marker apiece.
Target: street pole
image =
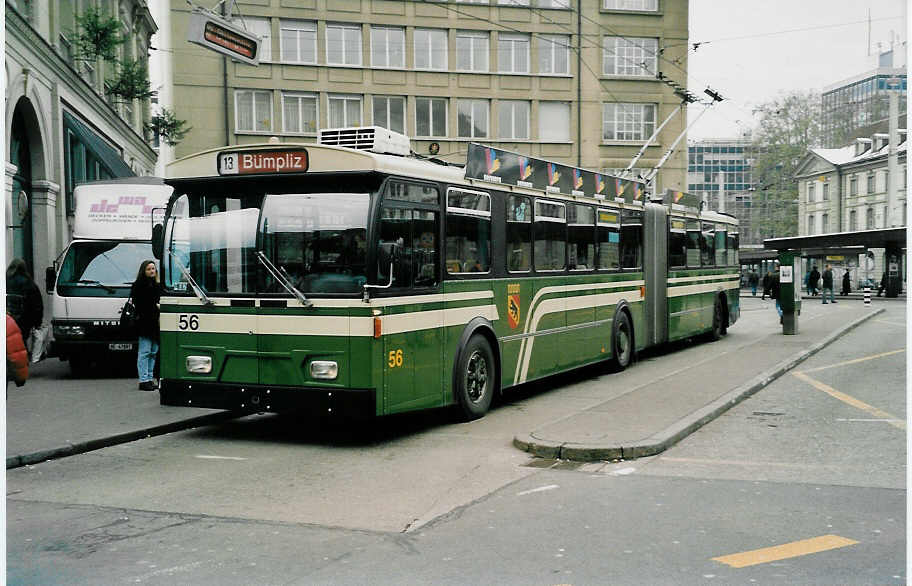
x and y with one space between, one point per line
890 221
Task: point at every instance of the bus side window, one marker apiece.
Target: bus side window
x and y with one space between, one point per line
550 236
631 239
412 235
519 233
732 247
694 239
707 246
721 239
677 243
609 239
468 232
581 237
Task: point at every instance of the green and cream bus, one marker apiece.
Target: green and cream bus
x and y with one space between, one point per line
340 279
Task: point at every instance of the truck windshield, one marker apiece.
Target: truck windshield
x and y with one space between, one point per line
316 240
101 268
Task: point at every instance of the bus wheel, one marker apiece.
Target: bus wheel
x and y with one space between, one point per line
475 378
718 328
622 341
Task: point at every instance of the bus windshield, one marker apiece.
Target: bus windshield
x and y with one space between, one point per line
101 268
317 241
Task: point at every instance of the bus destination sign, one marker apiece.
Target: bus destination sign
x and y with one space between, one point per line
262 162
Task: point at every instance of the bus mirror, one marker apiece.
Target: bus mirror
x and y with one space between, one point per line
158 240
49 277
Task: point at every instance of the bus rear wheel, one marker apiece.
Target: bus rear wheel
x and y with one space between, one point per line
719 327
475 378
621 342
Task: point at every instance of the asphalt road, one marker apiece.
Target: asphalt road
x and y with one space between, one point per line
813 463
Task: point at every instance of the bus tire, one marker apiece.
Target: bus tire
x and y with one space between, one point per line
475 378
719 327
621 341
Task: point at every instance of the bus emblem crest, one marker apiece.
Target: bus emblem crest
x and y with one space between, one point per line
513 310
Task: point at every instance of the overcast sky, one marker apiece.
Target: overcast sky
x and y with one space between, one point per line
749 69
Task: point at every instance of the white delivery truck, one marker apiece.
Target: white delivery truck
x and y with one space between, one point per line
90 281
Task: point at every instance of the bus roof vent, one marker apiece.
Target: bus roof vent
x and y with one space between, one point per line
367 138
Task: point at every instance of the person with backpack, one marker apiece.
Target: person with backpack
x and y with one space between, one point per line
146 293
23 298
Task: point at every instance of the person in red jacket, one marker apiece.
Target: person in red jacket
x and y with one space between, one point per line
16 354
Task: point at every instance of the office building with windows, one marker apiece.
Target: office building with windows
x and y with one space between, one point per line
719 171
508 73
65 121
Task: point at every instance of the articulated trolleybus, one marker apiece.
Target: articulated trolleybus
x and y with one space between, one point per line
342 279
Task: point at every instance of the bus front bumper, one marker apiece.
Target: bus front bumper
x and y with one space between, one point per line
359 403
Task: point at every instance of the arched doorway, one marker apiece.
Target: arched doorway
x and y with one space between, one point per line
20 221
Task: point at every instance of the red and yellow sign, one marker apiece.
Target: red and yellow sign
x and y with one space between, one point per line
513 305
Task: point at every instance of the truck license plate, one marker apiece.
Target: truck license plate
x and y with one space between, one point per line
120 346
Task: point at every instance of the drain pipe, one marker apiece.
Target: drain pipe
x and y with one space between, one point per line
225 85
579 83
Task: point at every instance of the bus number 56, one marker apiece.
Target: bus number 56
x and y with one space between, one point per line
188 322
395 358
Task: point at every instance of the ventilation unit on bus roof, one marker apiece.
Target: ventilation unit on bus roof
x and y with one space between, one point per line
367 138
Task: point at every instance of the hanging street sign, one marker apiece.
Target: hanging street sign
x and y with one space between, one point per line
210 30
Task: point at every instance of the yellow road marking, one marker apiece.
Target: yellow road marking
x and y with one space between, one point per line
856 360
893 420
784 551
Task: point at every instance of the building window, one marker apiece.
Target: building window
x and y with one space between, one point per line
810 230
871 182
430 49
810 192
431 117
825 224
554 121
473 118
389 112
644 5
853 221
344 111
853 185
252 111
627 121
826 192
261 27
343 44
630 56
513 53
471 51
869 219
513 119
886 181
387 46
299 41
554 54
565 4
513 2
299 113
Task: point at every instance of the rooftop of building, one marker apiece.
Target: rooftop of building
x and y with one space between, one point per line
847 154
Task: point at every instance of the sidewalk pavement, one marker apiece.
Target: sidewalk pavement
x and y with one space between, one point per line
652 417
55 415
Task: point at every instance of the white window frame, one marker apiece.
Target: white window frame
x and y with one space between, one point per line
626 56
262 27
345 98
473 103
631 115
298 96
632 5
475 61
265 95
299 28
389 100
543 121
516 44
431 101
434 37
554 45
382 34
512 105
810 194
513 2
554 4
346 30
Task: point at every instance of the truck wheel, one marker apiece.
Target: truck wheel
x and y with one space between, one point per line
621 341
475 377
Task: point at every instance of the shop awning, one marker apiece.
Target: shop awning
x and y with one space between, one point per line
108 156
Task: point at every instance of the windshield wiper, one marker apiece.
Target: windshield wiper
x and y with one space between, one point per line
97 284
281 275
193 285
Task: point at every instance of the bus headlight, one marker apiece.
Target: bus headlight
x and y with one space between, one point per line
199 364
325 369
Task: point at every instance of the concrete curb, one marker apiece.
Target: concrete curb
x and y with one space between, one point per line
121 438
671 435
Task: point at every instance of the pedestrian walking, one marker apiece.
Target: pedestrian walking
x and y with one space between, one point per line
774 292
813 281
23 298
146 294
883 284
846 283
753 280
767 280
827 285
16 355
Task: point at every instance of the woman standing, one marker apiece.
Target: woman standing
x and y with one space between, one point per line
146 293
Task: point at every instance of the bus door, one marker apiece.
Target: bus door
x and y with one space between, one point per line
656 274
413 315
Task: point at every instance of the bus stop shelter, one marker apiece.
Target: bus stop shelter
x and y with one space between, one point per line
831 248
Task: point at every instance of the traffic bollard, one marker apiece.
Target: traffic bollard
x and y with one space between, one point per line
867 296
